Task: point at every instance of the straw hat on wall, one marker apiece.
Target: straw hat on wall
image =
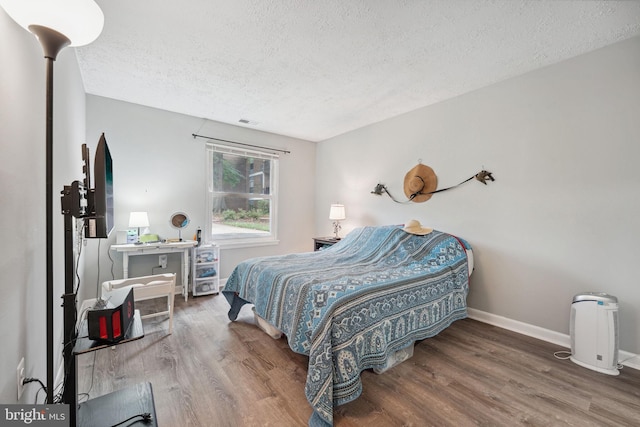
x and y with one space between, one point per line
419 182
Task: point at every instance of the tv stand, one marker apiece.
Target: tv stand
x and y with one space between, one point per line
112 408
120 405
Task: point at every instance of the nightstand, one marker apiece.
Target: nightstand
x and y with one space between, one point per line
320 243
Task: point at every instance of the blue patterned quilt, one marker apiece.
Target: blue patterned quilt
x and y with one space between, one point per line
350 306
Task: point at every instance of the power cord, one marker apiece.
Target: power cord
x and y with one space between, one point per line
58 392
80 243
98 293
146 418
80 235
621 362
87 394
111 259
33 380
562 355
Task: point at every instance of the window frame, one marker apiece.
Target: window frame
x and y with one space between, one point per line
236 240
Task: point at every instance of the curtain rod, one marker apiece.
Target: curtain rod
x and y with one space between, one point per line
240 143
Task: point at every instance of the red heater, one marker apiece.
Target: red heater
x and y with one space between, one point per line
111 322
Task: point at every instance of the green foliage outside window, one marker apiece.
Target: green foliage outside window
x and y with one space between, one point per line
241 192
230 174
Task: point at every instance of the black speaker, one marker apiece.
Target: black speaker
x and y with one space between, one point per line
111 320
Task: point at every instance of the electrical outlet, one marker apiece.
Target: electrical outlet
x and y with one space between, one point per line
20 377
163 261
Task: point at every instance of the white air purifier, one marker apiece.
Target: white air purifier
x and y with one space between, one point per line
594 332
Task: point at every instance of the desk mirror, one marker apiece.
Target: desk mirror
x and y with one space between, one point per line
179 220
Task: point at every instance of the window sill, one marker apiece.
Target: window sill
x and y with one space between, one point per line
244 243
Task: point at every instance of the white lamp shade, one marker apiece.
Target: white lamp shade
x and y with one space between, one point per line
81 21
138 219
337 212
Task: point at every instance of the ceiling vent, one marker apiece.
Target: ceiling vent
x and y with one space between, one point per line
248 122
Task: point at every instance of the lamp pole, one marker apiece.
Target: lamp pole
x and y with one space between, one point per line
52 43
80 22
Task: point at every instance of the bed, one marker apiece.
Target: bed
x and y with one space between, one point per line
357 304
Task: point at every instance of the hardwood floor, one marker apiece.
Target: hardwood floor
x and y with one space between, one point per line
211 372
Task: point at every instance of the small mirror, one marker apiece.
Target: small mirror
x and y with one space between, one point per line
179 220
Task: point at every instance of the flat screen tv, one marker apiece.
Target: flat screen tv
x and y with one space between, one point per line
100 220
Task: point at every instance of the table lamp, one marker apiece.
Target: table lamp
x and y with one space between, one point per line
137 220
336 214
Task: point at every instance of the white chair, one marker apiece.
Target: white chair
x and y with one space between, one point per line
145 288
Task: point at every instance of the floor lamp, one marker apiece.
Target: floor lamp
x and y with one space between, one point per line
56 24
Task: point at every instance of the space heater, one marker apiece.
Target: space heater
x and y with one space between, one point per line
594 332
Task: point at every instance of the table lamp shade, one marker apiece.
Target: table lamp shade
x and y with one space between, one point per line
337 212
138 219
81 21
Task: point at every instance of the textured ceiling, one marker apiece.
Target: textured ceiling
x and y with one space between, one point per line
315 69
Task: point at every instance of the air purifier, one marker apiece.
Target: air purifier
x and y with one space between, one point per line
594 332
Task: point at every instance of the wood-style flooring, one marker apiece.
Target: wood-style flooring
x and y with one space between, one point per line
211 372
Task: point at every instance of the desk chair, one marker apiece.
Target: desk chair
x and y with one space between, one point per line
145 288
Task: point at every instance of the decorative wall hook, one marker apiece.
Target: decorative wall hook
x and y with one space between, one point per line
481 176
379 189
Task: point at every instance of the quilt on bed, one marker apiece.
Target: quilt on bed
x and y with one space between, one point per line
350 306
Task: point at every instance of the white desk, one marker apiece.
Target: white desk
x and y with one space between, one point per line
131 249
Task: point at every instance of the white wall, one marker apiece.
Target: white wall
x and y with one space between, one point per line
563 216
160 168
22 198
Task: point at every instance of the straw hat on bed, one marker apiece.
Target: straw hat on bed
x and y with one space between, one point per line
419 182
414 227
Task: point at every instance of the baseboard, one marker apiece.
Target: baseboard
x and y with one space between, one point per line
626 358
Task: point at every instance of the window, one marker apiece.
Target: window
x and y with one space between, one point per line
241 196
